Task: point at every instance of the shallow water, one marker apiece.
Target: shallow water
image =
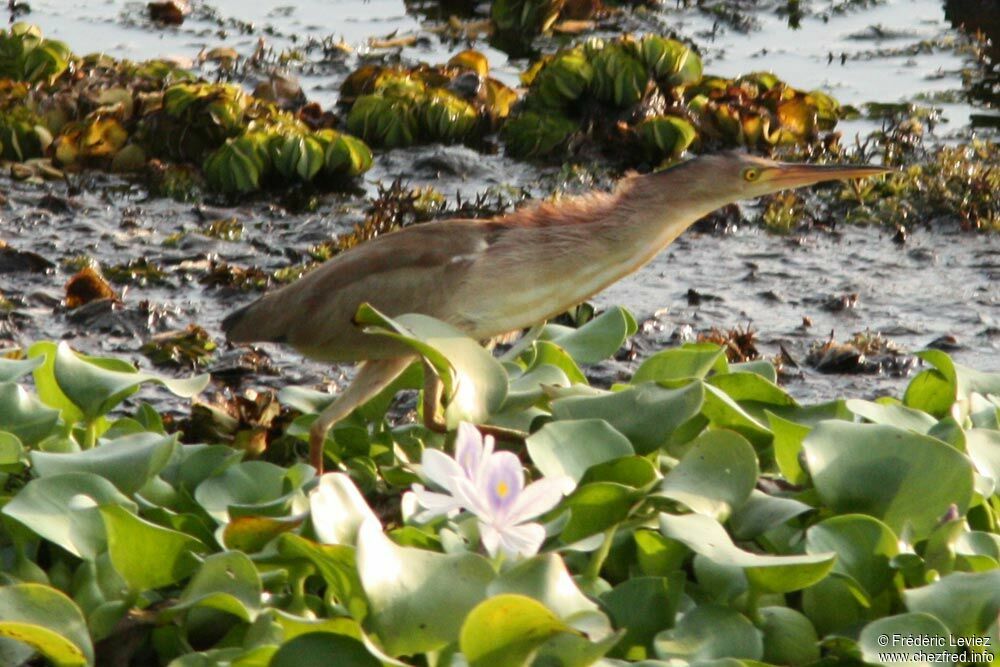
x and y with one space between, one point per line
938 283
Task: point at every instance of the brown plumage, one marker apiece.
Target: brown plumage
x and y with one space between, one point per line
490 277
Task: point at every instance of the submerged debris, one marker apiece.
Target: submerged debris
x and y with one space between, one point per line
866 352
188 348
86 286
740 343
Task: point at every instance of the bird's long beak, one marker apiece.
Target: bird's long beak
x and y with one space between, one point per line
795 175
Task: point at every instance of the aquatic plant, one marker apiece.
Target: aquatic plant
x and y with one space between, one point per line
711 514
392 107
650 94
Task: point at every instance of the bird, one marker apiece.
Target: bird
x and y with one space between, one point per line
490 277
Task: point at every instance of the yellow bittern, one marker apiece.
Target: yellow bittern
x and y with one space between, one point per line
490 277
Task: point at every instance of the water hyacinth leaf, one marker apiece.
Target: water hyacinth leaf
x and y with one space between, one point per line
475 383
647 414
546 579
656 555
336 563
250 534
11 451
12 369
527 389
596 507
535 135
715 477
315 649
634 471
967 603
789 637
418 599
338 509
983 447
46 620
148 556
254 488
899 416
897 476
571 447
25 416
745 387
227 582
725 413
934 390
710 632
690 361
544 353
887 640
788 437
504 630
643 606
762 512
63 510
767 573
665 137
596 340
95 385
128 462
347 156
864 546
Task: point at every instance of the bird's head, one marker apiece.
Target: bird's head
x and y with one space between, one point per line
715 180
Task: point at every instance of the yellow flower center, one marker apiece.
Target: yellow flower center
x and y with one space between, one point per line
502 489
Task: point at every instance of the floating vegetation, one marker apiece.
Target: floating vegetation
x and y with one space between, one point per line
647 99
865 352
392 107
98 112
718 513
188 348
85 286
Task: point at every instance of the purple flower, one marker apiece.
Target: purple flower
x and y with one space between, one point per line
490 485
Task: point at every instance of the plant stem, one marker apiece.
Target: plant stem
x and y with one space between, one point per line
90 435
597 559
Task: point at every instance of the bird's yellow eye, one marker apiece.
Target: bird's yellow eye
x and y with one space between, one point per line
751 174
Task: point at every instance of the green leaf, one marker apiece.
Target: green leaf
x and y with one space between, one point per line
884 641
254 488
766 573
983 447
571 447
646 414
146 555
709 632
724 412
899 416
694 360
24 415
894 475
935 390
546 579
336 563
788 437
595 507
789 637
47 620
643 606
716 475
596 340
63 510
475 384
419 599
95 385
504 631
745 387
316 649
967 603
226 581
12 369
864 546
128 462
761 512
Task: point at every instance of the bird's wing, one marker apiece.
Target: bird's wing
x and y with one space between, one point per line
412 270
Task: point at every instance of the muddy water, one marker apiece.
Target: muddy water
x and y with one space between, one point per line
938 283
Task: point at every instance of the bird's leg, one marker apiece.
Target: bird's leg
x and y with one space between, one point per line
373 376
433 391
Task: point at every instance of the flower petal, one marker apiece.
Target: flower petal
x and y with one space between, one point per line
440 468
469 449
435 503
502 483
537 498
524 540
490 538
473 499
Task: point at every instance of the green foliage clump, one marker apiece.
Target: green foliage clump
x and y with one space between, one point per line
648 99
707 516
25 55
392 107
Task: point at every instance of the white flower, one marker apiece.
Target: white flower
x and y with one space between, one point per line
491 486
